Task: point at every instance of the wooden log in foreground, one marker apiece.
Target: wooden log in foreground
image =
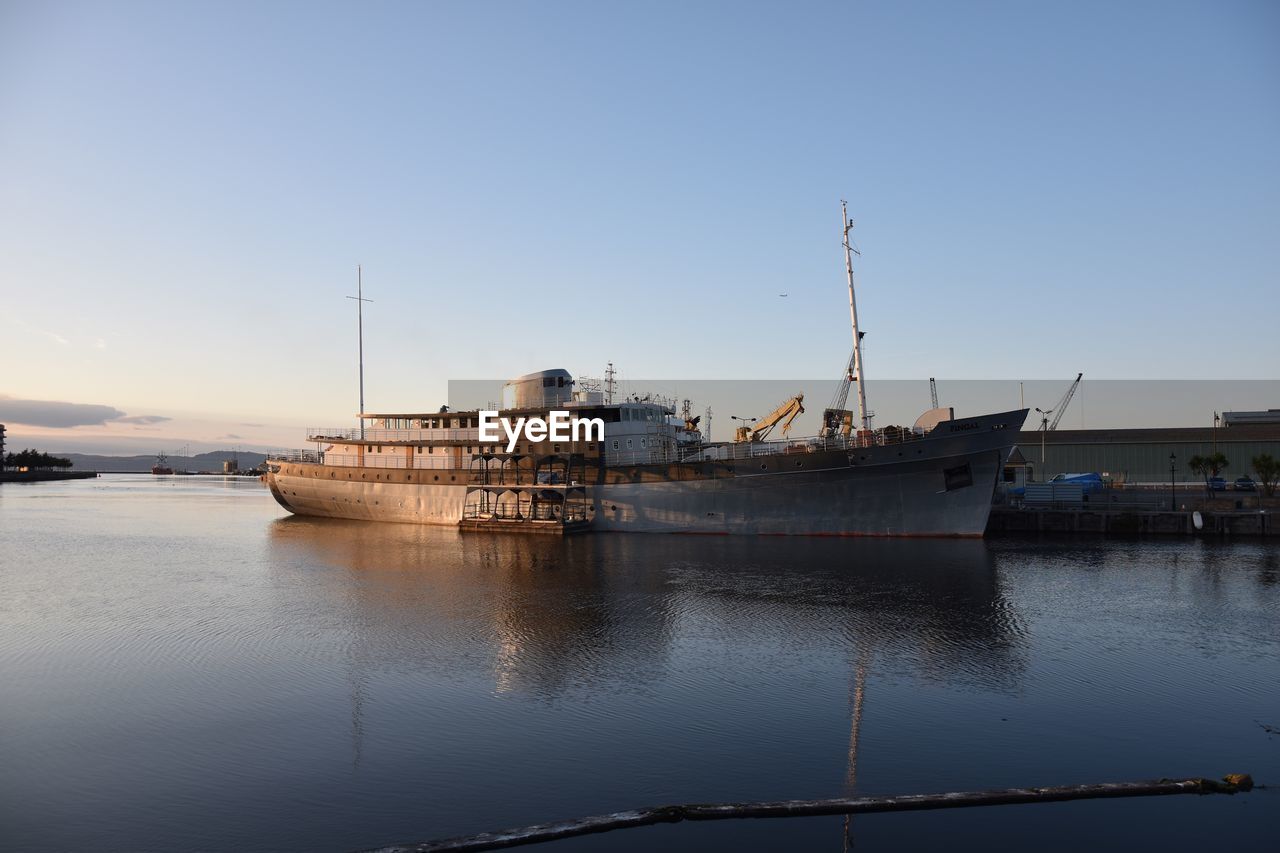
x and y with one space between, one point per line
812 808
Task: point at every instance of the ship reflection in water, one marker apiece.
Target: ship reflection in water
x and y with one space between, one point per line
552 616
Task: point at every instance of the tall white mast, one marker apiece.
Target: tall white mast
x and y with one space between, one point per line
360 301
846 225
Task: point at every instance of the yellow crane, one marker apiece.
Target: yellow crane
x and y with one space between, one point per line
786 413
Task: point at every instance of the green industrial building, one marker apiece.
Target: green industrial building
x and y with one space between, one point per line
1142 455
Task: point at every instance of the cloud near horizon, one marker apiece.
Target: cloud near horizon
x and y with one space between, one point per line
142 419
55 413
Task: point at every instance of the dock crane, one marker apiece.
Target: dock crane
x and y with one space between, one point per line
933 391
838 420
784 414
1045 424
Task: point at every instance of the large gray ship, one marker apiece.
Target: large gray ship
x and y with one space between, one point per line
638 465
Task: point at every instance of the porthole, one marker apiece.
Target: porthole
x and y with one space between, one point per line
799 464
763 467
436 478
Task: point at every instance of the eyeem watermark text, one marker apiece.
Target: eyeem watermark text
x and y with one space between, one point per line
559 426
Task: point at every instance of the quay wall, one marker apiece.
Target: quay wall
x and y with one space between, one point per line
1005 520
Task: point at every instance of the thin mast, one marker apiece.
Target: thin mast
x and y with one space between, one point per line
846 226
360 301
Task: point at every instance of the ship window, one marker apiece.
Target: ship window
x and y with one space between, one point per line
559 381
628 443
615 444
642 442
368 448
556 448
958 477
548 382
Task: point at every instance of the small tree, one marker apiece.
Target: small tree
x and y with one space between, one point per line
1208 466
1268 471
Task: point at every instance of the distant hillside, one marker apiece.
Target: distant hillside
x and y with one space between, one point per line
211 462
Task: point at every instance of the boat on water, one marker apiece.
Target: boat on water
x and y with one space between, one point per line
162 465
636 465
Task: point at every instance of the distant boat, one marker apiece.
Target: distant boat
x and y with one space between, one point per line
162 465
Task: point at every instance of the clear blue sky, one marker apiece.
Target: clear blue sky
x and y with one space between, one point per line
1040 189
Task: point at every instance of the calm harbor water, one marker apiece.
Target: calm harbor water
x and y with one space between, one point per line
182 666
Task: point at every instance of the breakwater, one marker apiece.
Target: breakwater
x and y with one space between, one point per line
44 476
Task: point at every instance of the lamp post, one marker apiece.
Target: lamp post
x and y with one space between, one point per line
1044 428
745 422
1173 486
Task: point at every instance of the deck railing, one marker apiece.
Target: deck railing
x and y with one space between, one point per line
354 434
294 456
723 451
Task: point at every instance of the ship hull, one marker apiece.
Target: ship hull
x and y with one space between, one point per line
941 485
896 499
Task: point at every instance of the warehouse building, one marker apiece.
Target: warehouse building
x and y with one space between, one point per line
1142 455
